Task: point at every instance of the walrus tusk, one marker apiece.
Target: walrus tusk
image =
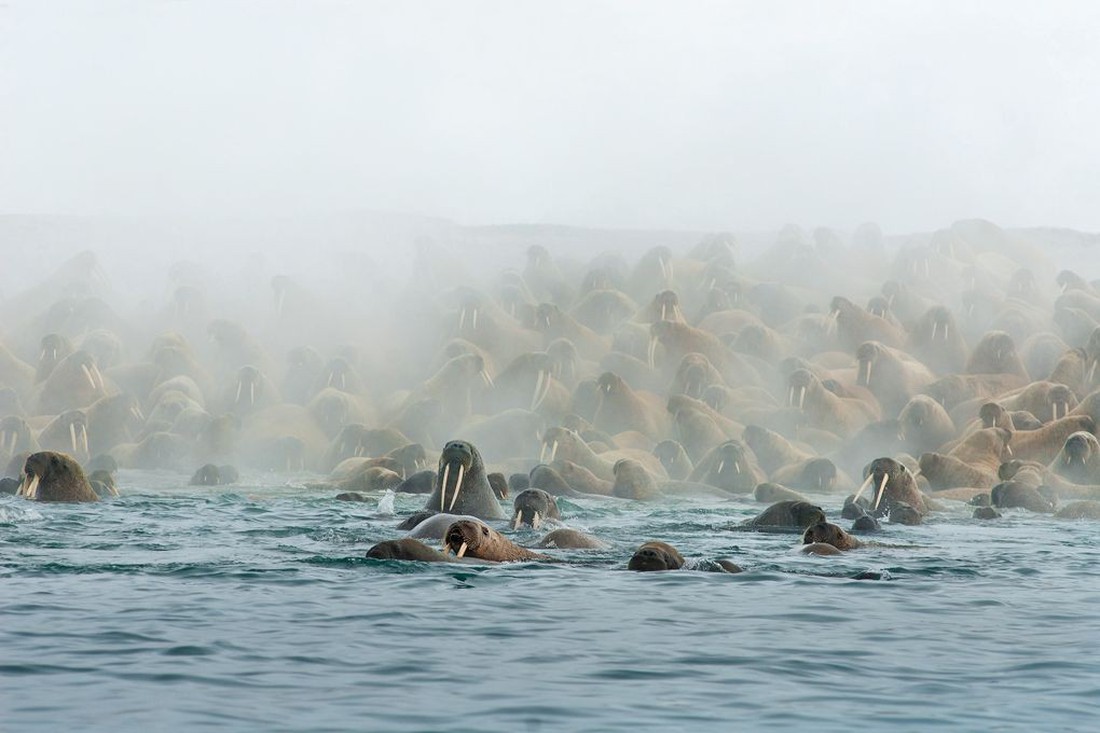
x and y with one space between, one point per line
945 327
251 394
461 318
536 520
866 375
88 374
862 488
72 437
790 396
538 389
519 520
545 391
443 485
801 397
934 326
1092 373
240 386
462 550
473 321
1008 449
664 311
881 489
652 353
458 487
29 489
721 465
486 378
737 466
553 451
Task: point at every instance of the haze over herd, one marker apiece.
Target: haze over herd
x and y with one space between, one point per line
834 377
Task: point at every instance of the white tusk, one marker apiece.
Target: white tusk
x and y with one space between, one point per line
801 397
737 466
790 396
664 310
461 319
553 451
1092 373
474 320
721 465
519 519
934 326
446 549
88 374
538 388
652 354
72 437
881 488
240 386
458 487
866 483
536 521
1054 411
486 378
443 485
251 394
462 549
945 327
542 454
30 490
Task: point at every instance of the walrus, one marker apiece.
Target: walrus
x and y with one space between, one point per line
830 534
791 515
570 539
623 408
674 458
656 556
533 506
1086 509
947 472
1079 459
771 449
729 466
894 483
406 548
770 493
468 538
428 525
212 475
891 375
462 485
633 481
813 474
1010 494
50 476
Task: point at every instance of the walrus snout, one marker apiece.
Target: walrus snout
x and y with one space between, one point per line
655 556
461 536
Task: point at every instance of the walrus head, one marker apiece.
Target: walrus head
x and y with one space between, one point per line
1079 448
667 304
50 476
656 556
880 473
406 548
867 353
465 536
532 506
828 533
458 461
798 383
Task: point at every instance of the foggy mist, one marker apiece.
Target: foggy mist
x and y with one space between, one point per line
694 116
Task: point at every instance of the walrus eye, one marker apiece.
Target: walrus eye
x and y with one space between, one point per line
485 531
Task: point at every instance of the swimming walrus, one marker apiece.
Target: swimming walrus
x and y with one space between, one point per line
786 515
468 538
656 556
570 539
893 484
462 486
50 476
534 506
406 548
830 534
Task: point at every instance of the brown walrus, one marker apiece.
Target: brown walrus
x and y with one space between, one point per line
893 484
50 476
467 538
462 486
571 539
406 548
830 534
794 515
655 556
533 506
632 481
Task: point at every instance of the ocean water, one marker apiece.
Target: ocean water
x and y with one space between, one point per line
253 608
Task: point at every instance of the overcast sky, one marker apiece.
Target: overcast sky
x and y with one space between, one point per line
696 115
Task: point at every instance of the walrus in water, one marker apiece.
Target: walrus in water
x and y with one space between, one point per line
1010 494
50 476
406 548
655 556
830 534
532 506
894 483
793 515
466 538
462 486
633 481
571 539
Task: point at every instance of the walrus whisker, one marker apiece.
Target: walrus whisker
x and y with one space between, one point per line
881 490
863 487
443 485
458 486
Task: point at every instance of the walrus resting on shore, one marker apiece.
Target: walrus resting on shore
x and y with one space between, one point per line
467 538
49 476
462 486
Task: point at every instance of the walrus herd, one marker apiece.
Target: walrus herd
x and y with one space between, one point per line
861 377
